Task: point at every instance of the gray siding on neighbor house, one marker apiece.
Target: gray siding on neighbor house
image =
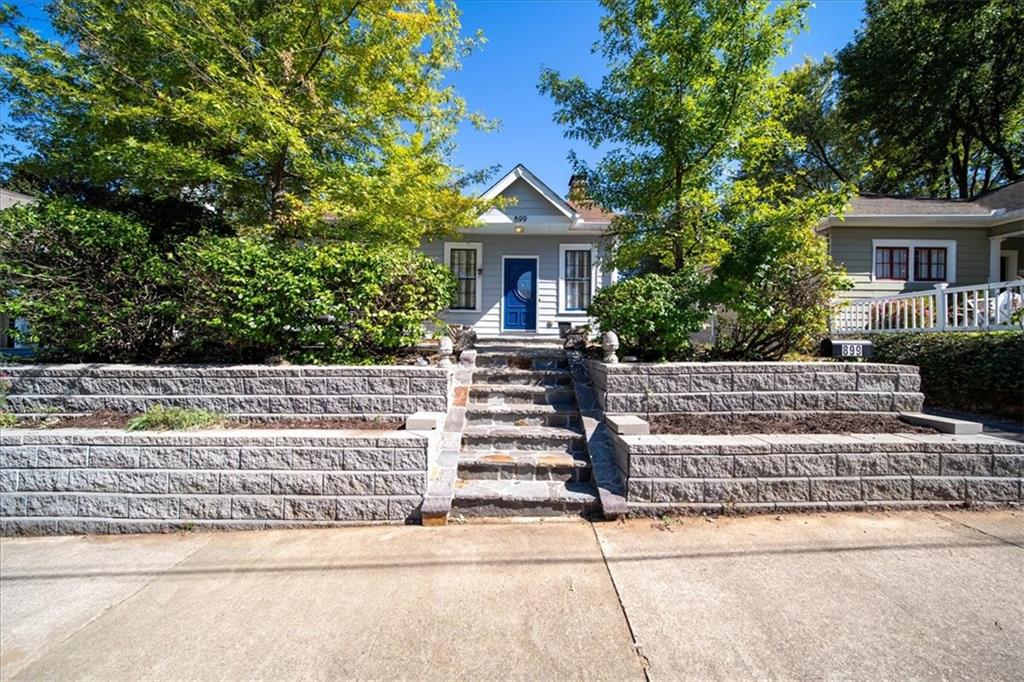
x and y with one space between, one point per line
487 321
852 247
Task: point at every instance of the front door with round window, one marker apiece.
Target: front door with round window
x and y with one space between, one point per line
520 299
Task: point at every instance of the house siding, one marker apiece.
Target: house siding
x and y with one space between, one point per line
852 248
488 320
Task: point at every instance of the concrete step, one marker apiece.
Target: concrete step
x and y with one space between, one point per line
484 498
524 414
503 438
506 394
523 465
522 377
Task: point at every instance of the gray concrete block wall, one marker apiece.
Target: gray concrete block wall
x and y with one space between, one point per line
740 387
769 472
259 391
106 481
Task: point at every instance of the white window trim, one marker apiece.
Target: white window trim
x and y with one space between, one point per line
479 248
910 245
595 275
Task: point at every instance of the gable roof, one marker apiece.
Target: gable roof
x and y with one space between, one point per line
521 172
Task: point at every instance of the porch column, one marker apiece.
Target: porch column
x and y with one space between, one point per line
994 247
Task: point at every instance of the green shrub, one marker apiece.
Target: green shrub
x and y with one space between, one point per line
977 372
251 299
97 286
160 418
89 281
653 315
776 285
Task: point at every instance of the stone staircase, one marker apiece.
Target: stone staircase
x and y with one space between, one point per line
523 451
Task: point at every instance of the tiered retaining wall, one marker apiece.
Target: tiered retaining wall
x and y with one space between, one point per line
728 387
257 391
67 481
775 472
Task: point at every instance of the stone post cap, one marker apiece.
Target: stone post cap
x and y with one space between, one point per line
628 425
424 421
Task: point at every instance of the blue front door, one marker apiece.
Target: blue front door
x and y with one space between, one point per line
520 294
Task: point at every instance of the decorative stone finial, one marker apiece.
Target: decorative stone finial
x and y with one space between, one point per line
610 344
445 348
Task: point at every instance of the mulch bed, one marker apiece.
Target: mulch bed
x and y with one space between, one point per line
741 424
106 419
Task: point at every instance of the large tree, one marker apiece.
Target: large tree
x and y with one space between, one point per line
685 79
940 86
296 117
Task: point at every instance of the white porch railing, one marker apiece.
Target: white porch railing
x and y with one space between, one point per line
982 307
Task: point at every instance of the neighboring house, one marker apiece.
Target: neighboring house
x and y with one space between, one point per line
530 266
7 324
893 245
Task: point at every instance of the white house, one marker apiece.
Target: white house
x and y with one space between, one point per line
531 266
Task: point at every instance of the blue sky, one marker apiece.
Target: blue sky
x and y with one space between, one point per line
500 80
525 35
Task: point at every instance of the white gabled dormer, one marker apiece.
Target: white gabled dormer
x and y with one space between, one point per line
534 208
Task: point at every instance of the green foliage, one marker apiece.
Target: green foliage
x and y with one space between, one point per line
251 299
775 284
7 419
653 315
160 418
95 288
940 85
978 372
818 149
685 82
329 118
90 282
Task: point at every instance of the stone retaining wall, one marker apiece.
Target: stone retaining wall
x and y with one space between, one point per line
735 387
716 473
258 391
66 481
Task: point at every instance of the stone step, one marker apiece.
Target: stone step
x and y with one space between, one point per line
506 394
519 341
523 377
524 414
483 498
523 465
508 437
536 360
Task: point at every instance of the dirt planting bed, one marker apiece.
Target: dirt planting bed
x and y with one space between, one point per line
105 419
740 424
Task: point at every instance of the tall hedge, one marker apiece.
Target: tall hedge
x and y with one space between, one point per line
97 286
977 372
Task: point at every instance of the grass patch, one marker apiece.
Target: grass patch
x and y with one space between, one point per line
160 418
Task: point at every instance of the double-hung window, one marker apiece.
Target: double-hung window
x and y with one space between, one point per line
930 264
577 277
464 262
914 260
891 262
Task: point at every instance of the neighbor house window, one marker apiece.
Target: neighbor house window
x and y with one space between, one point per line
463 264
891 262
914 260
930 264
577 277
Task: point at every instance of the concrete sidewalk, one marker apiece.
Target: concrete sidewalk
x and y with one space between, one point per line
843 595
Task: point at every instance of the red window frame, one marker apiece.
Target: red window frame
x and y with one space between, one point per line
930 263
886 262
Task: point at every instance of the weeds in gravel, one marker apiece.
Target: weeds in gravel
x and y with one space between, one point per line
160 418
